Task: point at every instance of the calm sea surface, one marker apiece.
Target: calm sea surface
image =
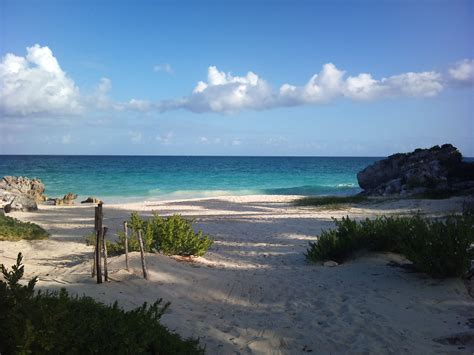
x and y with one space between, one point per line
119 178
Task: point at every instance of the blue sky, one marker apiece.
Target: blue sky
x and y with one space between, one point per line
121 77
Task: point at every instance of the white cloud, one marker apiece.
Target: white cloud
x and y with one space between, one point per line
165 67
463 71
224 93
36 85
135 137
203 140
236 142
165 138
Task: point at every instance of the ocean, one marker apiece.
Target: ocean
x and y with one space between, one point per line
138 178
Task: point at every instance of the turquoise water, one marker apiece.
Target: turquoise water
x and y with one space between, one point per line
118 178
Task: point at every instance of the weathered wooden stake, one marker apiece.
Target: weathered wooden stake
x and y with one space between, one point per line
98 244
104 243
93 261
142 252
125 227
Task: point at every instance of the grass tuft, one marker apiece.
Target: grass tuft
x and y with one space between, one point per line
12 229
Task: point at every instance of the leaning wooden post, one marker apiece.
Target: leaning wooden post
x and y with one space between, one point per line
125 227
142 252
104 243
98 244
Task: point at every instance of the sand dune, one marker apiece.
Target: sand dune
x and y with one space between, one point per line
253 292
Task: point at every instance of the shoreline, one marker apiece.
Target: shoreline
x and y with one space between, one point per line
254 292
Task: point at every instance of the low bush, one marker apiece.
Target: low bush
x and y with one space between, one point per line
329 200
44 323
13 229
172 235
440 248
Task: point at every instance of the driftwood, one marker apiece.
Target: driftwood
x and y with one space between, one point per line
142 252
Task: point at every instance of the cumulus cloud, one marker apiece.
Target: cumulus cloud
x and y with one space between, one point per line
226 93
35 84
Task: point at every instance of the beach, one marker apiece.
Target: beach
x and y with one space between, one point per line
254 291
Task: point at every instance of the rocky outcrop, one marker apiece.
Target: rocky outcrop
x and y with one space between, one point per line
435 169
20 193
91 199
68 199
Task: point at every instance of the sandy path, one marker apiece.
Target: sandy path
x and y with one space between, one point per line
253 292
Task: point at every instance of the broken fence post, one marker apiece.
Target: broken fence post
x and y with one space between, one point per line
125 227
104 243
142 252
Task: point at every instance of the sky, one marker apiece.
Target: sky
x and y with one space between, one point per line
285 78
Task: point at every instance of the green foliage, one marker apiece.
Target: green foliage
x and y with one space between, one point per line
13 229
439 248
175 236
329 200
172 235
58 323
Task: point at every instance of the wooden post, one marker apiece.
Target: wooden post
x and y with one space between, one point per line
142 252
125 227
98 244
104 243
93 261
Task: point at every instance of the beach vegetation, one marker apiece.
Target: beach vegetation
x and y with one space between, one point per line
440 248
56 322
13 229
318 201
173 235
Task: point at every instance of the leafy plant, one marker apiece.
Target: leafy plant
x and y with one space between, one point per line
439 248
55 322
172 235
13 229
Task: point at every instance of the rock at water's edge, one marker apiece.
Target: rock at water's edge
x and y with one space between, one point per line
434 169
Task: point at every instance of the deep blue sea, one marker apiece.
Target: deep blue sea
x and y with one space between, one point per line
134 178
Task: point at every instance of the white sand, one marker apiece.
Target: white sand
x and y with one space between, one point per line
253 292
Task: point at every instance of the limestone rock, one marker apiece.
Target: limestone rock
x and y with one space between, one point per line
68 199
20 193
330 263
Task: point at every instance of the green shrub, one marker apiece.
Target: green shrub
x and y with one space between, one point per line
329 200
441 248
172 235
13 229
57 323
438 248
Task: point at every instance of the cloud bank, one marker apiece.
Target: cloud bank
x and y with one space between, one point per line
225 93
35 85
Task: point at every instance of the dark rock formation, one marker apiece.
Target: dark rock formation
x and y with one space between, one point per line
91 200
20 193
434 169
